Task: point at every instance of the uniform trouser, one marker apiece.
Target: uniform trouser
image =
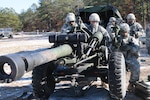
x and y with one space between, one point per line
148 49
134 68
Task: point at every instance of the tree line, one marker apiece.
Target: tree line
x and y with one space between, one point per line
50 14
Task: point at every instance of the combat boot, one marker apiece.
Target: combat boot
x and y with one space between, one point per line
131 87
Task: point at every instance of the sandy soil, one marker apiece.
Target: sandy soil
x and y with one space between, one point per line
10 91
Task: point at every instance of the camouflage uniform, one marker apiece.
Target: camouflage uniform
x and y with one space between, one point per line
97 28
136 29
70 24
110 27
68 28
130 48
148 38
100 29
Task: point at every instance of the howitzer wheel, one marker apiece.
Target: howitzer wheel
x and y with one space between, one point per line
117 75
43 81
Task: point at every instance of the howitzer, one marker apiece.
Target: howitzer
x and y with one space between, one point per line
73 57
22 62
88 60
76 40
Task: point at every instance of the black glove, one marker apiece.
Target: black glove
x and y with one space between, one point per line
136 35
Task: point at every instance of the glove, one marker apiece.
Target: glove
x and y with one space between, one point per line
136 35
125 47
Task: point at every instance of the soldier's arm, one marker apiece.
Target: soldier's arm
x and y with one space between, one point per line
106 34
131 45
64 28
140 30
134 46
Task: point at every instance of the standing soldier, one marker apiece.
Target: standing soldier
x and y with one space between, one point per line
95 27
70 25
148 38
111 27
130 48
136 29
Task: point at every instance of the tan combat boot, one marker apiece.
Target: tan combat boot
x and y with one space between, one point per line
131 87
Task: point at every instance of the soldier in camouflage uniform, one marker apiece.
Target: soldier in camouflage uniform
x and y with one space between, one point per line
136 29
70 25
95 27
148 38
110 26
130 48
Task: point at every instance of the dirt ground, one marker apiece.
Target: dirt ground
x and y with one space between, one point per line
10 91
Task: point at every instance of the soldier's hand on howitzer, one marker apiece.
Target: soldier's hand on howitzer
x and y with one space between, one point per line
126 46
117 45
132 33
116 29
136 35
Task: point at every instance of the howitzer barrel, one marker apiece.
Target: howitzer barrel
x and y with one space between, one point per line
39 58
13 66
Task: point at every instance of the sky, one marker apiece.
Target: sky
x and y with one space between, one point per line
18 5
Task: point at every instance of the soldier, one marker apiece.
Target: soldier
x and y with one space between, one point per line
111 27
148 38
95 27
70 24
130 48
136 28
119 21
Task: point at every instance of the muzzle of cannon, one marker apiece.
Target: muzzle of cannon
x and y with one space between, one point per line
13 66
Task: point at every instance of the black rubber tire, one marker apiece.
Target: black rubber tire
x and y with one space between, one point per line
43 81
117 75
